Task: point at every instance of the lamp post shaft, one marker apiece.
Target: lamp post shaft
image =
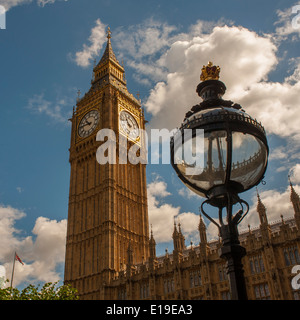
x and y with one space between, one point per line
233 253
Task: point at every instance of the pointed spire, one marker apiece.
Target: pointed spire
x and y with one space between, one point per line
261 209
108 33
152 252
175 232
152 240
181 237
202 231
295 199
294 195
179 228
108 52
178 238
260 206
201 223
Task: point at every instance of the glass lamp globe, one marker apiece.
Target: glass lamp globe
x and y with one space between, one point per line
233 154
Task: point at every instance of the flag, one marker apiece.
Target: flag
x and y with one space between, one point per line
18 259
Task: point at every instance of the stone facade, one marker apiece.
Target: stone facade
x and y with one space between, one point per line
199 273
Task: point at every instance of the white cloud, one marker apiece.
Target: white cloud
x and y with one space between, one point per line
8 4
277 203
41 253
275 105
233 48
187 193
145 39
246 60
8 216
89 52
59 111
42 3
278 153
158 188
144 46
161 215
159 52
288 22
295 174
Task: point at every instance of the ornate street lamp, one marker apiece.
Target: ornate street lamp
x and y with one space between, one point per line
235 158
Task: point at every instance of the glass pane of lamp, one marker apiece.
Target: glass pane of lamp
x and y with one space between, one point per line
249 156
212 168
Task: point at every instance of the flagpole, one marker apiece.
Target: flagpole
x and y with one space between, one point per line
13 270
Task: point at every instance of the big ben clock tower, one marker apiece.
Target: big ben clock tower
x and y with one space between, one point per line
107 203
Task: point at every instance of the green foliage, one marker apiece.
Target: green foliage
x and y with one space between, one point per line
49 291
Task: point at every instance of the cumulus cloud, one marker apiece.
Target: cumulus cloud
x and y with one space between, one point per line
233 48
295 174
96 40
162 214
277 203
42 252
8 4
275 105
58 111
288 22
173 60
144 39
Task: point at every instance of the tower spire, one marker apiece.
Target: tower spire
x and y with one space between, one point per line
178 238
202 231
261 210
294 195
108 32
152 245
295 199
108 52
109 69
264 225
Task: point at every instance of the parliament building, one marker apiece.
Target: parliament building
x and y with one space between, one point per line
110 251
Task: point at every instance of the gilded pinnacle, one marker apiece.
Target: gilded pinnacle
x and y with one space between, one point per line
108 33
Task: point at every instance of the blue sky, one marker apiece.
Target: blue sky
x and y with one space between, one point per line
47 54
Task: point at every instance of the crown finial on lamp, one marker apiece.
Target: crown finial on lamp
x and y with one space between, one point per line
210 72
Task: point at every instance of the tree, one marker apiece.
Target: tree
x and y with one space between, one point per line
49 291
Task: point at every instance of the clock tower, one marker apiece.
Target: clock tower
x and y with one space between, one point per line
107 212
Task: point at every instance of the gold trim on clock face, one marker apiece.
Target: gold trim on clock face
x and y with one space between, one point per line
129 125
88 123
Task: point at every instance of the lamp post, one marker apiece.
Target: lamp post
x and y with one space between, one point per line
234 160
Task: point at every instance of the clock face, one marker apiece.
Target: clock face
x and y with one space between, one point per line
129 125
88 123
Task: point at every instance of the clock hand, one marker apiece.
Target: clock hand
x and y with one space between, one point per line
130 126
85 124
